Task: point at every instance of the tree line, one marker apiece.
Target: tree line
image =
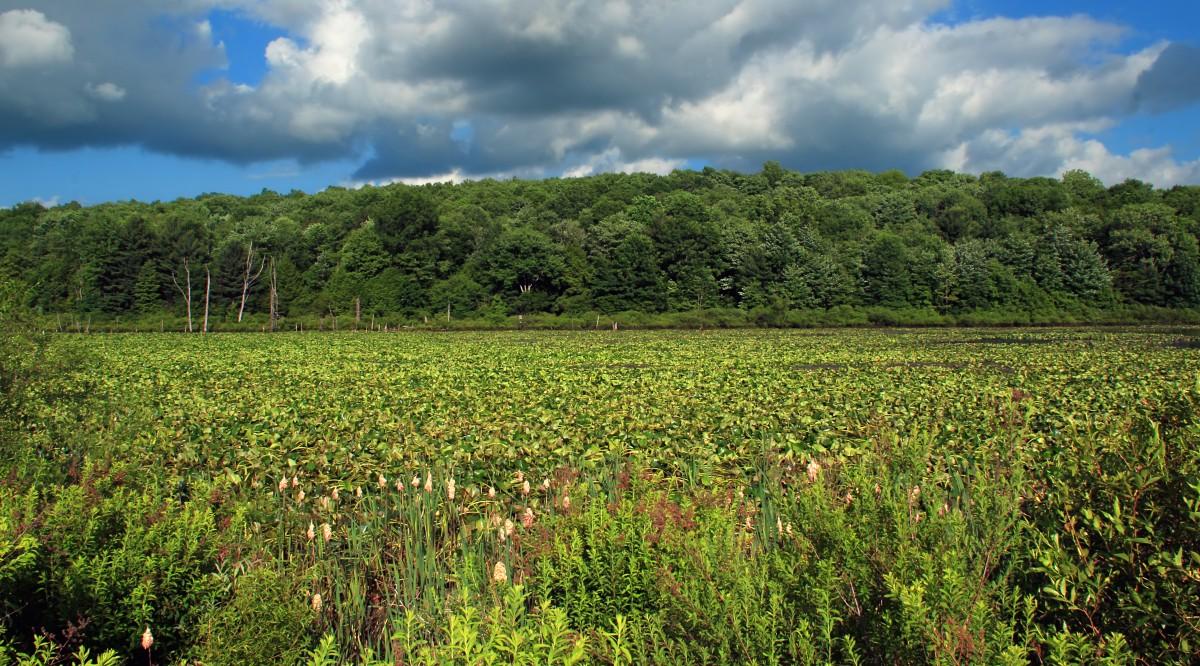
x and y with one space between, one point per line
778 239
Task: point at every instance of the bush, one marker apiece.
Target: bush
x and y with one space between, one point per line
1117 542
113 560
264 622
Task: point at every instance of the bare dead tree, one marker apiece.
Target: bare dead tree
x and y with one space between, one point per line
357 311
249 276
207 288
527 286
187 295
274 298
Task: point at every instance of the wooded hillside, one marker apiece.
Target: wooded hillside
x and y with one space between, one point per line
780 240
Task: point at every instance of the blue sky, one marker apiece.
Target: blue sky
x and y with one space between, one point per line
158 100
1147 23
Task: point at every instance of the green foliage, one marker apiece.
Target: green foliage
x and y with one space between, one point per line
525 267
115 560
623 243
147 290
39 382
602 567
886 272
862 496
264 622
1118 520
458 294
22 351
508 633
46 653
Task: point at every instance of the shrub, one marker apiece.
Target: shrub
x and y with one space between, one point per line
114 560
1116 554
265 621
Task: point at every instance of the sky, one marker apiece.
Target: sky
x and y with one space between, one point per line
160 99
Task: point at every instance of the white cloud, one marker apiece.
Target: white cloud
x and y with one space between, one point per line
630 47
920 88
575 87
106 92
610 161
28 38
336 38
1155 165
1055 149
454 176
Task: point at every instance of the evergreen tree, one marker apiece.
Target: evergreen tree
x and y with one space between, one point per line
147 291
886 272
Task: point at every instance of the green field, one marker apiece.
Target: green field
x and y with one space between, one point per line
864 496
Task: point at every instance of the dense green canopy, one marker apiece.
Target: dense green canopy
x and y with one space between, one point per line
610 243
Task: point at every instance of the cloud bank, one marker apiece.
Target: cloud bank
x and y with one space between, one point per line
420 89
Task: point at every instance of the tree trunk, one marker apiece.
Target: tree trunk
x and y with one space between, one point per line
248 280
207 287
274 297
187 296
357 311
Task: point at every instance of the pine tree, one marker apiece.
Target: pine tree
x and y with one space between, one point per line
147 290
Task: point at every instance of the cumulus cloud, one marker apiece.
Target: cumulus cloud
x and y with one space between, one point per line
421 89
28 39
1054 149
610 161
108 92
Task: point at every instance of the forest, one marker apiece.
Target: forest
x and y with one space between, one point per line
763 248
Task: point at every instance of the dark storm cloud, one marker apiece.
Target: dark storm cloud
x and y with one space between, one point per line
548 86
1172 82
